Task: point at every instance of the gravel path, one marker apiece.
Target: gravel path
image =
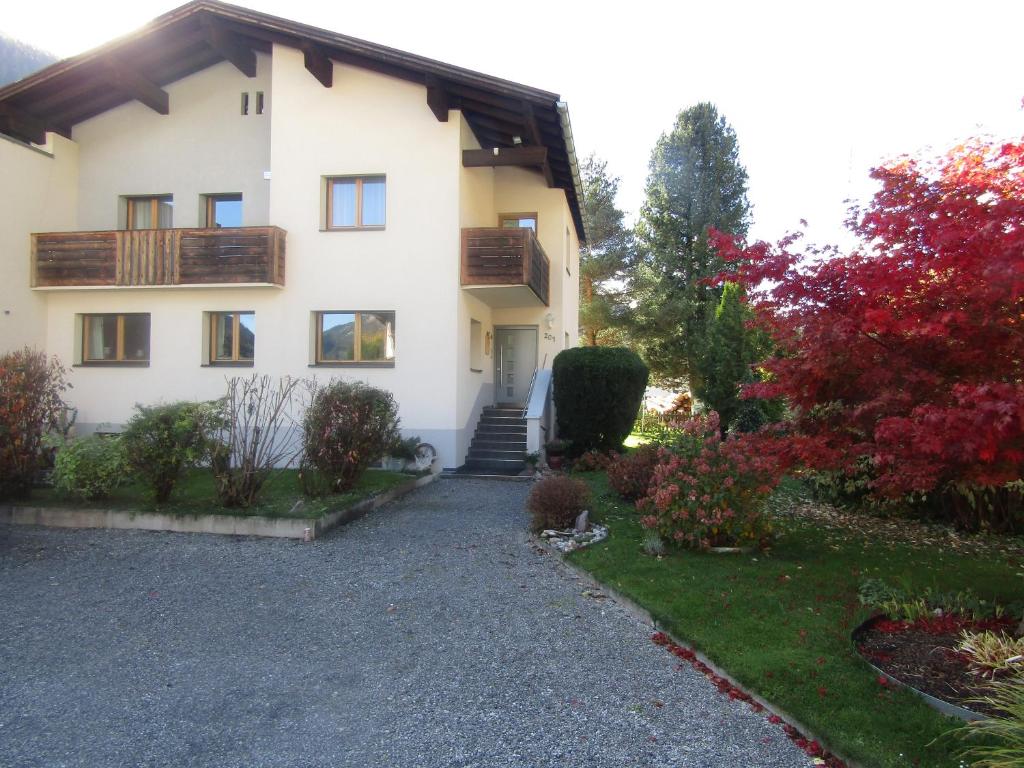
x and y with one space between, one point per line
430 633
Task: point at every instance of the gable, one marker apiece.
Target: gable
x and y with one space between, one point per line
193 37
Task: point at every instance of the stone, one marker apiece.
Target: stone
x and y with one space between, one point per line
582 521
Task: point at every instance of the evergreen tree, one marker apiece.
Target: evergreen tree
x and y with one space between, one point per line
605 256
696 181
725 361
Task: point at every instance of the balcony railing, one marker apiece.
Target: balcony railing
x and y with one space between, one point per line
158 257
493 257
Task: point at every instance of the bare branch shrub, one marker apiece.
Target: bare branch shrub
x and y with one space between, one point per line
258 432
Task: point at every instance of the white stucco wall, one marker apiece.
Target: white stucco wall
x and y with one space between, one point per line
204 146
38 193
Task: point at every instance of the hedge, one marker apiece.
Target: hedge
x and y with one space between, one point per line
598 392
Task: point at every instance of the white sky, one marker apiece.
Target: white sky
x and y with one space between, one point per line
818 92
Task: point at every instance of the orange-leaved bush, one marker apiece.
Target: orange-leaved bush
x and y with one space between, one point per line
710 492
630 475
31 403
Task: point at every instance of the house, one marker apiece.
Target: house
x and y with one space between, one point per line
227 192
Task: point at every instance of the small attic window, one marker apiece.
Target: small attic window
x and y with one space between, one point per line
245 103
259 102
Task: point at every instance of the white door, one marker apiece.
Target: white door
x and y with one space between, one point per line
516 359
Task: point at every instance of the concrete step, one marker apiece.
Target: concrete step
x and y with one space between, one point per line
513 444
503 420
494 410
501 429
487 453
507 465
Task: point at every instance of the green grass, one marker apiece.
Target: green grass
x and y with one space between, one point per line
635 440
195 495
780 622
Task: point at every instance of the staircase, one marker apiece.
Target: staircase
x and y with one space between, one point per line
499 445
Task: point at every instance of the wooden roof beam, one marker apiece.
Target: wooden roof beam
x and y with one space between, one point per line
131 83
22 125
533 133
529 157
318 64
437 98
229 45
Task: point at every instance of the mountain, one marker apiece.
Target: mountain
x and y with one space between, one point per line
18 59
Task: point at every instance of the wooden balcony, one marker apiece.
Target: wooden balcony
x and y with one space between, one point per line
158 257
505 267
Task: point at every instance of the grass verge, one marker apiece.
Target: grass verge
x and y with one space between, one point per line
780 622
195 495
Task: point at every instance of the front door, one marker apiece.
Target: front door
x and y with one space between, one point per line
516 359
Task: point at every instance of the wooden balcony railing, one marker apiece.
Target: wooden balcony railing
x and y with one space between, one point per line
155 257
493 256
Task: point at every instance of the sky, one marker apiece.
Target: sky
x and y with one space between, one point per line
817 92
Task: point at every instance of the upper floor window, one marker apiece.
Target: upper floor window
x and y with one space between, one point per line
355 337
115 338
518 220
150 212
355 202
223 211
232 337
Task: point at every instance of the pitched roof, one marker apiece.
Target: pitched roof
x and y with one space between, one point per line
204 32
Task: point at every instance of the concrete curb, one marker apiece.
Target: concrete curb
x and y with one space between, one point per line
645 617
227 525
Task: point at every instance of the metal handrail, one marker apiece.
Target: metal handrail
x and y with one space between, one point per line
533 381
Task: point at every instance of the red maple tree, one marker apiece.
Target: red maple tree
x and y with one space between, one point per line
908 352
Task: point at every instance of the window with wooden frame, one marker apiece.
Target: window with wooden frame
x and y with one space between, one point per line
518 221
356 202
115 338
354 338
150 212
223 211
232 337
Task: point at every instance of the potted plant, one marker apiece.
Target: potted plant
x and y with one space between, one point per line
555 452
532 460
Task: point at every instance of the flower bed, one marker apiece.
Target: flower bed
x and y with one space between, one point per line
922 655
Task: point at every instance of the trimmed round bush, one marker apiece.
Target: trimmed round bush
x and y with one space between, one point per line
89 468
597 393
348 426
556 501
161 441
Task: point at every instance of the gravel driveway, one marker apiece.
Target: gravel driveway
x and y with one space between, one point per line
430 633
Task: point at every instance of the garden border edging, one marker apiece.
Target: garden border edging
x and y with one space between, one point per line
226 525
646 617
939 705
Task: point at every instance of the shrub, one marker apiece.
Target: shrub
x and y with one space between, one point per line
160 441
630 475
254 433
90 468
556 501
597 394
594 461
348 426
714 494
31 404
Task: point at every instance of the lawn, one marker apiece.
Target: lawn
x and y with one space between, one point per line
779 622
195 495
